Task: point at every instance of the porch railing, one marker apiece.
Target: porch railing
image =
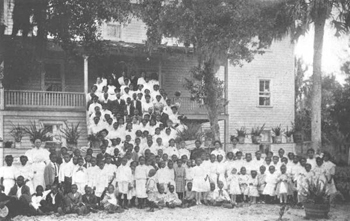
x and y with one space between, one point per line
44 99
189 106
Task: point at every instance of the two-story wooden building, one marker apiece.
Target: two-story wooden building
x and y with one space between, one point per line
259 92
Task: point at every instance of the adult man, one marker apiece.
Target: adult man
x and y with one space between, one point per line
197 151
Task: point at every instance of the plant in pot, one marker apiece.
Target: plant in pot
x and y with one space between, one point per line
241 135
256 134
289 135
277 134
35 132
71 134
17 132
190 134
317 200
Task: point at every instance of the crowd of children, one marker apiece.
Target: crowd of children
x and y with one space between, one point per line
113 183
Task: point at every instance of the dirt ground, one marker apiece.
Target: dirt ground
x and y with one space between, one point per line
200 213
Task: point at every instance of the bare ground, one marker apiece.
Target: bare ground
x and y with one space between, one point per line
258 212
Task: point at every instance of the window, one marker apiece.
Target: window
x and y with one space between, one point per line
264 93
54 129
53 78
114 30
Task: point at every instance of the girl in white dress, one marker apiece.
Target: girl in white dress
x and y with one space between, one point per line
200 180
141 173
233 185
212 170
8 174
243 180
221 170
253 192
271 181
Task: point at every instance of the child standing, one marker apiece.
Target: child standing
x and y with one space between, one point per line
151 186
261 183
200 180
124 179
141 173
233 184
271 181
253 192
80 176
243 181
282 185
180 174
7 174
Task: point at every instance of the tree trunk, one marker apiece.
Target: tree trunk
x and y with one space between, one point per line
211 103
316 133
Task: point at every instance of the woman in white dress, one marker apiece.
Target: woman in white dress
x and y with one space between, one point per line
8 174
200 180
218 149
38 157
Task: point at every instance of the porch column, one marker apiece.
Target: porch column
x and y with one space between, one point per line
160 76
2 107
86 74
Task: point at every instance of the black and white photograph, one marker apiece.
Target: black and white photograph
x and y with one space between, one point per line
174 110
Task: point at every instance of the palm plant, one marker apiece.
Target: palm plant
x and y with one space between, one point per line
34 132
288 132
17 132
71 133
316 192
277 130
241 132
257 130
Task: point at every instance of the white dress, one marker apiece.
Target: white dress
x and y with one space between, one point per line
9 176
27 172
199 182
141 173
271 181
38 157
233 183
221 170
330 169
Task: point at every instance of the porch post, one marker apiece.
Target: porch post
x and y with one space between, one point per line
86 74
160 76
2 107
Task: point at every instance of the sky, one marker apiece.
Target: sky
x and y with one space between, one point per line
336 51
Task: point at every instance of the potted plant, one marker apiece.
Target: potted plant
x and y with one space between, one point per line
256 134
289 134
8 144
241 135
191 134
17 132
277 134
317 201
71 134
34 132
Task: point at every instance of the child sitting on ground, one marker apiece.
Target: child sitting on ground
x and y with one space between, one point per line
159 199
172 199
36 198
74 203
209 197
110 202
221 197
90 200
190 198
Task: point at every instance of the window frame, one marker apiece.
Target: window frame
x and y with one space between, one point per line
258 93
107 36
63 79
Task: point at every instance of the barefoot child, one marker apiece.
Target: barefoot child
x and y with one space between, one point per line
261 183
190 198
180 174
151 188
221 197
234 188
124 178
209 197
271 181
243 180
282 185
141 173
253 192
172 199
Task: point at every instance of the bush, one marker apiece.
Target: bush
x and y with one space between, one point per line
342 181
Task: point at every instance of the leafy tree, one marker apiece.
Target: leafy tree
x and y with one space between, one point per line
300 15
217 30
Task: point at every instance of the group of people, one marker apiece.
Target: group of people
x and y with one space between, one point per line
50 181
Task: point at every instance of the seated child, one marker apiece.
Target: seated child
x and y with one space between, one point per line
36 198
90 200
74 203
53 203
221 197
172 199
190 197
159 199
209 197
110 202
253 192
